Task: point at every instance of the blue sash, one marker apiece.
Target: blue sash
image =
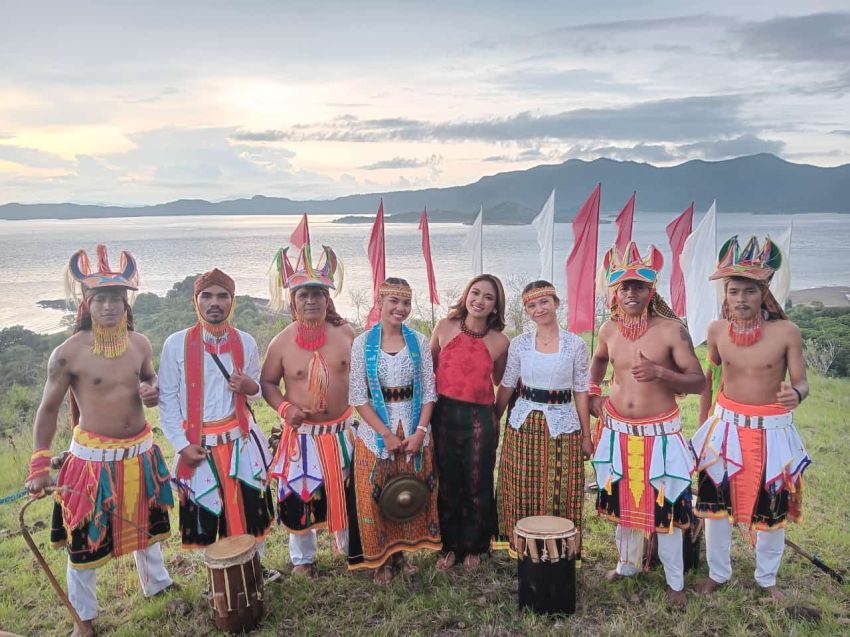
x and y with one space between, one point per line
372 355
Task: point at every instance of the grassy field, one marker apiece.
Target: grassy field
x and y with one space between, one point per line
484 603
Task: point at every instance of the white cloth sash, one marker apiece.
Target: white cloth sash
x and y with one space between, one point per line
94 454
718 447
671 464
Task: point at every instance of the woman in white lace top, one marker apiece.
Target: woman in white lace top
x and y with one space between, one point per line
547 436
392 386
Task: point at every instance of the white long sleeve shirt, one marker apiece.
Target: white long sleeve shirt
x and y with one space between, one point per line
219 401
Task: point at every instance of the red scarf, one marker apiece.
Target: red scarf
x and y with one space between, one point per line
194 364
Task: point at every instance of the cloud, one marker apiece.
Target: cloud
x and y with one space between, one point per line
655 153
559 81
404 162
817 37
735 147
684 119
32 157
840 131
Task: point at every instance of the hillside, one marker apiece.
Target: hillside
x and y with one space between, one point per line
758 183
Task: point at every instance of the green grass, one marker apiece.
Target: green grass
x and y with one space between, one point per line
433 603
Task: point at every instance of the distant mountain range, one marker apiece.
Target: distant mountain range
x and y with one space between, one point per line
759 183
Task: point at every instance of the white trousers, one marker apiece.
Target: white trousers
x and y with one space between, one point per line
770 545
303 547
630 547
82 591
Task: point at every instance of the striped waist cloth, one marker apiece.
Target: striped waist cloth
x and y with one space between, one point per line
666 425
333 427
752 422
545 396
396 394
85 451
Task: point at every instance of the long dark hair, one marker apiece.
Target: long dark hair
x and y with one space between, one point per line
495 320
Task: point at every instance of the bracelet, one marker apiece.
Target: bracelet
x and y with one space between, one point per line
282 407
595 390
39 464
799 395
422 428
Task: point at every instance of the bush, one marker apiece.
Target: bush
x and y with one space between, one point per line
825 327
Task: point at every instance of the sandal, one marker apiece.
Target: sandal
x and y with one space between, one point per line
446 562
383 575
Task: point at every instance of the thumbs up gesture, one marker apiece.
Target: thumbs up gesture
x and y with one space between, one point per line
786 396
643 369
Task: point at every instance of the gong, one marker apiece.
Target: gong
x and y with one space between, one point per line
403 497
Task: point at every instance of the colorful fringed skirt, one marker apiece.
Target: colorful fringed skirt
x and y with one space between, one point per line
643 469
373 538
538 475
751 462
228 493
313 467
117 498
465 441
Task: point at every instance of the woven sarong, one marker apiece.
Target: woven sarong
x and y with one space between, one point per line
538 475
113 506
465 441
373 539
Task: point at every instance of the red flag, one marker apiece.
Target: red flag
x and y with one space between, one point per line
377 259
426 252
624 222
581 266
301 235
678 231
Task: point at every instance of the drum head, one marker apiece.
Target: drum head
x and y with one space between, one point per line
543 526
403 497
235 549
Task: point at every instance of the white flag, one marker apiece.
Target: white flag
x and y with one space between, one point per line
544 223
780 285
476 241
698 261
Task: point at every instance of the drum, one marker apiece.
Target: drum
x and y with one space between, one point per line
546 549
236 583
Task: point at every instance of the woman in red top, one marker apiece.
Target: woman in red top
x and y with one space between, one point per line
470 352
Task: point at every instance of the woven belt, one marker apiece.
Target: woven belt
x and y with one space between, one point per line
96 454
396 394
213 440
753 422
317 430
545 396
666 428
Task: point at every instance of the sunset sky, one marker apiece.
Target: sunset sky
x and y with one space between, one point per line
145 102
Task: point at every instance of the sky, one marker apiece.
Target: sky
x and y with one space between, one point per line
132 103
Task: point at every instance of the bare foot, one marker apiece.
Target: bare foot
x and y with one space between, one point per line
446 562
613 575
706 586
305 570
87 630
383 575
471 562
677 598
775 594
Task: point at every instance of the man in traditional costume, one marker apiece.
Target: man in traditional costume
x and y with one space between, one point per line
113 490
643 464
207 375
750 457
312 357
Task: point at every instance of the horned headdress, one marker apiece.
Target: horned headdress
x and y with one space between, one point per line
81 281
328 273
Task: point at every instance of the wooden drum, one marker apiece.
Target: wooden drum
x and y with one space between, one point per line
546 549
236 583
